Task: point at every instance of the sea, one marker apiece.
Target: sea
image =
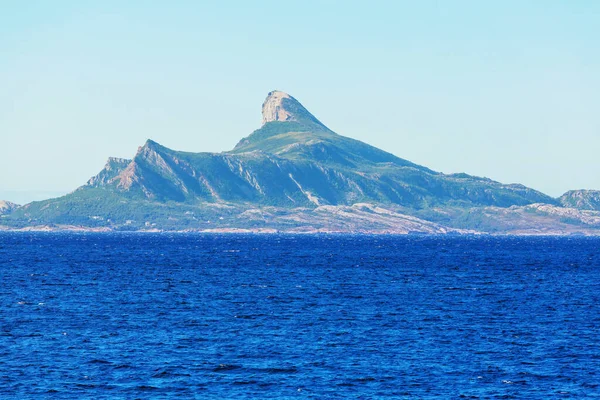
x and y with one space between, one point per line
228 316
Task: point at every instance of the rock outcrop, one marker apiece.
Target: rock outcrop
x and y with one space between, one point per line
581 199
6 207
113 167
281 107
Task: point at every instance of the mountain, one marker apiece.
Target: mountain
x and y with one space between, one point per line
293 173
295 160
581 199
6 207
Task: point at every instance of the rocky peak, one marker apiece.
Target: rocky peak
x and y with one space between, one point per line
7 207
280 106
111 169
116 163
273 108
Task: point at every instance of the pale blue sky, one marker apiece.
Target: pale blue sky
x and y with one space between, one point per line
504 89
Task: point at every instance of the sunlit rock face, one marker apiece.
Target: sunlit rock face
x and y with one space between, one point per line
281 107
273 108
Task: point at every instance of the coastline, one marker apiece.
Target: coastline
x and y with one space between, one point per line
299 231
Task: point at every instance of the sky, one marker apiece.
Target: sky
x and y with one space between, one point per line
503 89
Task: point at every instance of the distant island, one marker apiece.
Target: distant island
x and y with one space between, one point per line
296 175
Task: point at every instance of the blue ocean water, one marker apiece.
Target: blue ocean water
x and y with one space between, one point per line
249 316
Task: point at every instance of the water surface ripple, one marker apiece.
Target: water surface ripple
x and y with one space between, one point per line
248 316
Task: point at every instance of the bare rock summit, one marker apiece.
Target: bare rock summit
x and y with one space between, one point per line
281 107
